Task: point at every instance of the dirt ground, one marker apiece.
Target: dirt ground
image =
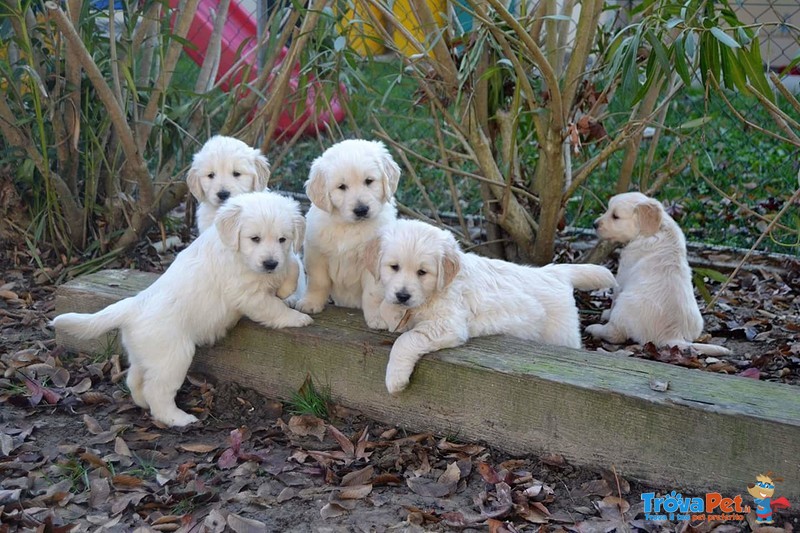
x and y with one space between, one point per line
77 455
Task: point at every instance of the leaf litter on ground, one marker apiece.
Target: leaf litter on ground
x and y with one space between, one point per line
76 454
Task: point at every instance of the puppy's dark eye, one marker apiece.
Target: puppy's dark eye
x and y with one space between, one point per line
282 239
236 174
421 272
369 181
614 216
395 267
342 187
255 239
211 176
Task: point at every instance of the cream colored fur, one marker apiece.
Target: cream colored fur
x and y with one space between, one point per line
351 186
451 295
241 266
223 168
654 299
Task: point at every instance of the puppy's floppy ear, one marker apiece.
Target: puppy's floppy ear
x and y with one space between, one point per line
261 179
193 182
372 257
391 173
317 186
449 265
227 224
649 213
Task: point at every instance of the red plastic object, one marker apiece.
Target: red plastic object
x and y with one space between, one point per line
239 38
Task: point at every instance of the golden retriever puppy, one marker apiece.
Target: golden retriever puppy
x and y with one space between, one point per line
224 167
351 186
654 298
238 267
449 296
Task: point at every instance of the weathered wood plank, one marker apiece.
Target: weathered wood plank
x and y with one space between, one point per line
707 432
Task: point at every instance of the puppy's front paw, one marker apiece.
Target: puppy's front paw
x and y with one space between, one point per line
176 418
297 320
595 330
375 322
397 381
307 305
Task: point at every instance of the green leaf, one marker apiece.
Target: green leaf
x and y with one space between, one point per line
652 74
710 273
695 123
732 70
700 284
757 76
709 57
679 59
724 38
630 71
557 17
339 43
660 51
671 23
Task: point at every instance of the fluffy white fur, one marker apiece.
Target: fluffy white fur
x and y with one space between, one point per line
351 186
223 168
654 299
450 296
241 266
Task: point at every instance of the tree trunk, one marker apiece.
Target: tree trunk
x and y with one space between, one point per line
549 184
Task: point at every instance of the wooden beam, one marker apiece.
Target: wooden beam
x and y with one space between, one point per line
707 432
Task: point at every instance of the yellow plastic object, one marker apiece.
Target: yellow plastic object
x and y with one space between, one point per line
404 12
357 26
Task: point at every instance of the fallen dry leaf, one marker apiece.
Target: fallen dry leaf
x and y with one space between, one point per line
354 492
304 425
358 477
92 425
332 510
197 447
241 524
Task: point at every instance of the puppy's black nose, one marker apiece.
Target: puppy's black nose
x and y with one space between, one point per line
402 296
223 195
361 211
270 265
595 224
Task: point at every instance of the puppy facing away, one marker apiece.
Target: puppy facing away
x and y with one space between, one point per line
241 266
449 296
224 167
654 298
351 186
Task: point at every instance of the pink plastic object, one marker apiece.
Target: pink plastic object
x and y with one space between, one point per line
239 38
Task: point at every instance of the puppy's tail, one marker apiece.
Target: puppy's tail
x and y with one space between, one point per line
91 325
705 349
586 277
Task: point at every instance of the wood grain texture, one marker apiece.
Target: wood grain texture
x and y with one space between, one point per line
706 432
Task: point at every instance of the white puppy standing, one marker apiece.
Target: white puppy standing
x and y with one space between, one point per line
351 186
223 168
450 296
242 266
654 299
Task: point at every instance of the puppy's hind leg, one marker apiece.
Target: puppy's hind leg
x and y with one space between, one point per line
135 382
163 378
608 332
